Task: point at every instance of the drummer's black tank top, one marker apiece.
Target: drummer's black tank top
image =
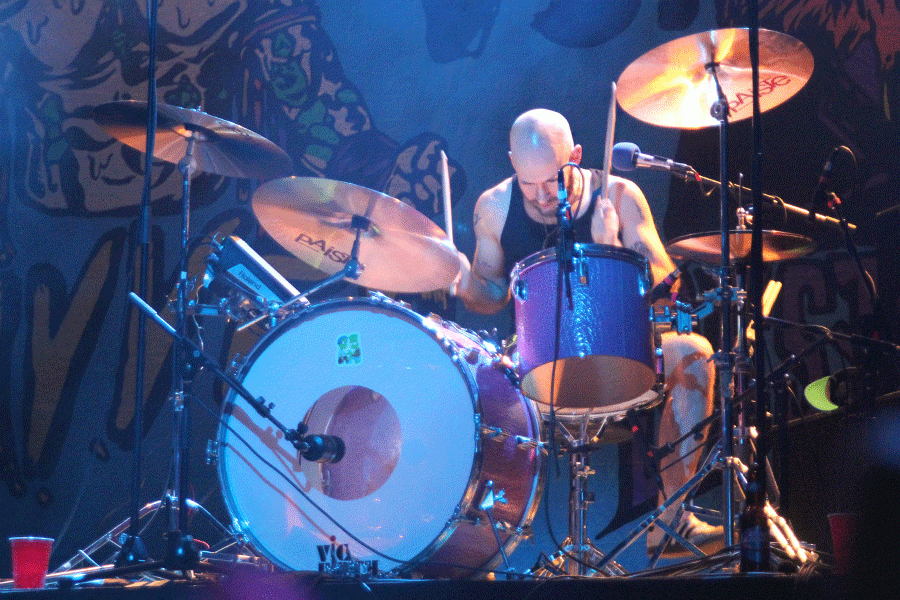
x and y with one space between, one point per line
523 236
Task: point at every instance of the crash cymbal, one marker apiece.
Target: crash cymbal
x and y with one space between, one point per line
220 147
401 251
707 247
670 85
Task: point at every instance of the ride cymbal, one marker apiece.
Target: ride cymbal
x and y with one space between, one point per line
707 247
220 147
672 85
400 249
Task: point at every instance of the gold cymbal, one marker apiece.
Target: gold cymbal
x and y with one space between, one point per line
220 147
671 85
400 251
707 247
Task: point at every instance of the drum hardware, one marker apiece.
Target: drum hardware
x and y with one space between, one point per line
487 507
684 316
116 538
499 434
712 88
192 140
250 290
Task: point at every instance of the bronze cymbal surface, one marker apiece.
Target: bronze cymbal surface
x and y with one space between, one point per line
220 147
707 247
672 85
400 250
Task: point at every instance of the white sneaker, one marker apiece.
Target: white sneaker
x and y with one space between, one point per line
708 538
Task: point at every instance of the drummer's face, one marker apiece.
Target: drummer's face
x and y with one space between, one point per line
536 171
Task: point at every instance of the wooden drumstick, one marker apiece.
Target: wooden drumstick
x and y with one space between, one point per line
445 192
610 137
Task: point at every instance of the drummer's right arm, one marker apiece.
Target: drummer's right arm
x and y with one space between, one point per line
483 286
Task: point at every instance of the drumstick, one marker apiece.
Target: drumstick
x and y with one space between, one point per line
445 192
610 136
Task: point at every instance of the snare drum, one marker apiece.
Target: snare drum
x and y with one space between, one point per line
605 339
431 422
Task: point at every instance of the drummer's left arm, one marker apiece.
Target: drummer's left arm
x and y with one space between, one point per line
638 231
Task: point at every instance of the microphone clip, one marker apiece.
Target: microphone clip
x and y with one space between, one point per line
319 448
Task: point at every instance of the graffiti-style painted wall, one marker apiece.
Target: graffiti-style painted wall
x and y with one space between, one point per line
364 92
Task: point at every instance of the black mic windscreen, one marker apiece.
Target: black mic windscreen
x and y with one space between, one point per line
623 155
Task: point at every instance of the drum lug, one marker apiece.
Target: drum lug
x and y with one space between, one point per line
522 532
212 452
238 528
496 433
581 267
505 365
235 364
520 289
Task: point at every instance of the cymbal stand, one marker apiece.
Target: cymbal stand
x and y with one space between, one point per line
725 357
310 447
181 550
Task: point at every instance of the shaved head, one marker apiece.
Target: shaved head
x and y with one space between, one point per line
540 143
541 132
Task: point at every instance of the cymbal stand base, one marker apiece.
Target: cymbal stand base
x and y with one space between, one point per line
783 537
98 556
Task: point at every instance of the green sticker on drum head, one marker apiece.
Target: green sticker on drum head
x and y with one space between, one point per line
348 350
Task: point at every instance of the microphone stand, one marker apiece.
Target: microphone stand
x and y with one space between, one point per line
777 201
296 437
565 241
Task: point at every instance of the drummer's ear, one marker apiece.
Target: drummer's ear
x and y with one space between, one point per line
575 155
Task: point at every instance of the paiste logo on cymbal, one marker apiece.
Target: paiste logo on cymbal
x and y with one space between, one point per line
330 252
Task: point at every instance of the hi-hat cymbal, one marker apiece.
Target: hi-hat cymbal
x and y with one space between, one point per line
707 247
220 147
671 86
401 251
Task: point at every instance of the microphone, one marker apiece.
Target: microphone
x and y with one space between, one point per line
561 194
322 448
628 157
821 195
664 287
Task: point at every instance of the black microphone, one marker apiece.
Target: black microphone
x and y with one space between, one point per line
821 195
322 448
664 287
561 194
628 157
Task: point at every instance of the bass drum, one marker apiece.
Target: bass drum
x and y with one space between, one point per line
431 422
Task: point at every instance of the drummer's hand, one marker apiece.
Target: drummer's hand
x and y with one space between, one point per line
605 228
464 277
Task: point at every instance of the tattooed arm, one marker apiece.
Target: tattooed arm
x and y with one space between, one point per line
484 286
637 226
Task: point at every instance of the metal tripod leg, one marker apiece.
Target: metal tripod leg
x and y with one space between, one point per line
87 556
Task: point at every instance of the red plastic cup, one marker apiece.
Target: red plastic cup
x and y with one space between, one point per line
30 557
843 540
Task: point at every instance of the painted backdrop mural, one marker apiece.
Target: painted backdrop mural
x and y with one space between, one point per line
361 92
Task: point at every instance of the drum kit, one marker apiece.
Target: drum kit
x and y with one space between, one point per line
418 441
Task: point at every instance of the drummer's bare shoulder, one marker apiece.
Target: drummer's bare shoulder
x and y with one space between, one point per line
486 290
638 231
492 208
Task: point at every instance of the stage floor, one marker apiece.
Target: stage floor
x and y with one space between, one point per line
248 586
